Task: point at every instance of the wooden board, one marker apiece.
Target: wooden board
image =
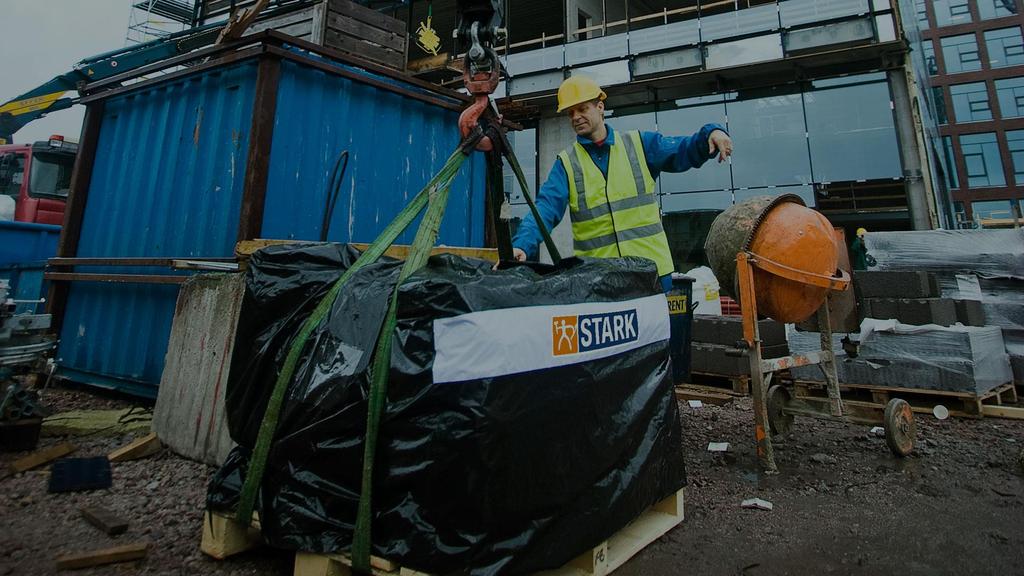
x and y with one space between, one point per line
960 404
102 557
736 384
136 449
1011 412
190 415
38 458
223 537
705 394
104 519
366 33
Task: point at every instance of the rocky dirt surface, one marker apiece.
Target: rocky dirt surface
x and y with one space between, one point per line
842 504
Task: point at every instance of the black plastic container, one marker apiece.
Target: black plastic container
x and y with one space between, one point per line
680 307
20 435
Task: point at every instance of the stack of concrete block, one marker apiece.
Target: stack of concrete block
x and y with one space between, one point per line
957 359
714 336
913 297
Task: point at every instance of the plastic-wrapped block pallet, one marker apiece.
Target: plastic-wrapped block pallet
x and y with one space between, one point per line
894 284
954 359
530 412
985 265
728 330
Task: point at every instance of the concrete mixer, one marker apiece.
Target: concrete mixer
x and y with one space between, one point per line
779 259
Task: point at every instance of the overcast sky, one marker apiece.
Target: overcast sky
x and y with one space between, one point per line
45 38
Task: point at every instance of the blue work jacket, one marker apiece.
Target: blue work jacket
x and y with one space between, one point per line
664 154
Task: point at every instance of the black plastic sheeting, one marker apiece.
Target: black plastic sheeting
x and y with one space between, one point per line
506 475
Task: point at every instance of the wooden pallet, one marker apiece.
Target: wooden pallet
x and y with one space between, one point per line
223 537
736 384
961 404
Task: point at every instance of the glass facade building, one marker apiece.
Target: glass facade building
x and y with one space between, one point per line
982 104
821 98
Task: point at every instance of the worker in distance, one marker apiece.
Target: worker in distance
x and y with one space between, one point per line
607 180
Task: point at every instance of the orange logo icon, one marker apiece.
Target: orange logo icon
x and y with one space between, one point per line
564 335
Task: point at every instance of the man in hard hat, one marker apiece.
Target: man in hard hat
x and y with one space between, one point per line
858 251
607 180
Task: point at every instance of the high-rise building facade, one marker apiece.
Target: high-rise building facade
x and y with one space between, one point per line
975 58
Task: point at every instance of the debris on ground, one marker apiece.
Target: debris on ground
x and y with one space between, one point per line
757 504
137 449
718 446
107 422
37 458
105 520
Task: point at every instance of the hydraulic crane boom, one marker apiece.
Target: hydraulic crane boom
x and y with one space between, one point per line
50 96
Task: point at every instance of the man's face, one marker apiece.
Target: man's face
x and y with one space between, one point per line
586 117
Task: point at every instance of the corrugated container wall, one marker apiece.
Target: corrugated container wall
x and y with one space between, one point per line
169 180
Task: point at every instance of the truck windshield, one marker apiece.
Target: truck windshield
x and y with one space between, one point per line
51 174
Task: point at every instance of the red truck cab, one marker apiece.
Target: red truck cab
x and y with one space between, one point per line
37 177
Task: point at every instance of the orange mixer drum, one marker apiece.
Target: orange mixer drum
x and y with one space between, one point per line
785 231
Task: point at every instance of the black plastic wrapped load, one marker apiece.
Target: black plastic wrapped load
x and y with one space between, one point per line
530 412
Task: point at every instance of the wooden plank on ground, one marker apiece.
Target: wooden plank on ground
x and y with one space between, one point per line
708 397
104 519
102 557
138 448
38 458
1011 412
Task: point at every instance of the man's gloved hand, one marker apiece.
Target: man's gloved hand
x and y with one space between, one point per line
719 143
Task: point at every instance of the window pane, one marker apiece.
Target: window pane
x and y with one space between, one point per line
960 53
771 142
949 163
747 51
992 210
929 57
806 193
1005 47
989 9
524 144
852 133
1015 143
1010 92
951 12
981 154
922 13
685 121
719 199
970 102
940 105
686 232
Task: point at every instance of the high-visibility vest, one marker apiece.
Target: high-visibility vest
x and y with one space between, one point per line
619 216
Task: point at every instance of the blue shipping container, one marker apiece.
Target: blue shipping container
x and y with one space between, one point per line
188 164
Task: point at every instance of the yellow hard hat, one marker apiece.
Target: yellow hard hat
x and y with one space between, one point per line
861 231
576 90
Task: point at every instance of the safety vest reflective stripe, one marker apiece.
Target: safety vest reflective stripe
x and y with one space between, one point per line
584 214
621 236
577 177
634 165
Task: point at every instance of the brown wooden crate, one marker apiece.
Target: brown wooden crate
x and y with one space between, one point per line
364 49
367 15
352 27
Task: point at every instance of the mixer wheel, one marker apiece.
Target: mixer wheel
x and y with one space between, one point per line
779 422
900 430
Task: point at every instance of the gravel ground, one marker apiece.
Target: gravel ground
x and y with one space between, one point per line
842 504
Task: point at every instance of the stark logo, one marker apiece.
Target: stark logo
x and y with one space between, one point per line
575 334
564 335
